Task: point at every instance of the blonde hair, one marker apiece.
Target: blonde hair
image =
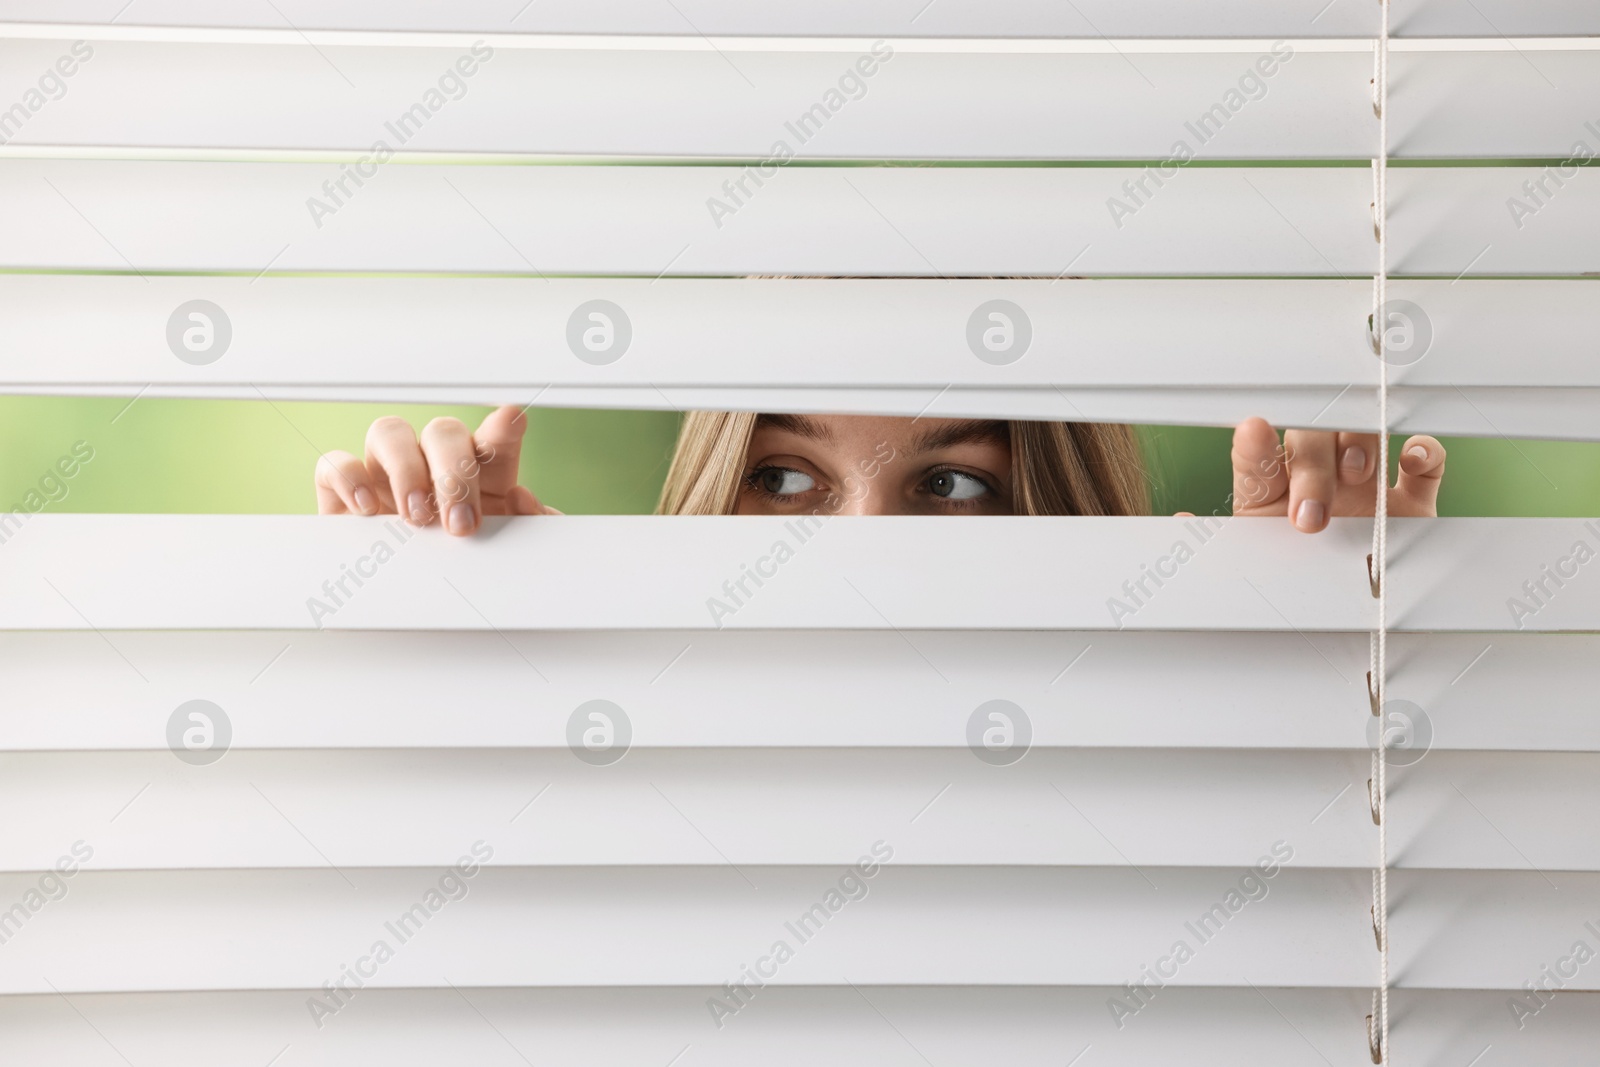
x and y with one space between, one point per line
1057 468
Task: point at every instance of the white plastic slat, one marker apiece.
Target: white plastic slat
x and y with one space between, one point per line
649 220
313 338
874 102
1151 807
1266 100
72 691
768 806
1086 19
1273 103
512 332
788 1026
1557 414
643 572
156 931
652 221
583 926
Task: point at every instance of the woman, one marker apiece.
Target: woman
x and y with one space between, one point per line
730 463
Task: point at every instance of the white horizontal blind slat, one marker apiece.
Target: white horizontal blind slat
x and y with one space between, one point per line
1086 19
787 1026
509 332
872 103
1185 340
1265 101
70 691
1558 414
294 929
684 926
652 221
1155 808
642 572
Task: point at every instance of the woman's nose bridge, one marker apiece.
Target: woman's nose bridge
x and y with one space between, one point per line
870 498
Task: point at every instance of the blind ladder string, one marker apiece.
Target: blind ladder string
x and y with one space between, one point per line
1380 531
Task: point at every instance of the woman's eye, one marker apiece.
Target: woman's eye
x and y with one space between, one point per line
954 485
782 481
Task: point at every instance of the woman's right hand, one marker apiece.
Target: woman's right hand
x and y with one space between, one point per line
450 474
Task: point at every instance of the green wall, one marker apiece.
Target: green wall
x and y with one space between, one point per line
257 457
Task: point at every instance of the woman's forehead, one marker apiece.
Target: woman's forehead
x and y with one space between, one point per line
908 434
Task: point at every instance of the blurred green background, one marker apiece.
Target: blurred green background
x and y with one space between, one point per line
252 456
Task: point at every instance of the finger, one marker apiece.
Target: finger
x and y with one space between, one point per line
1311 477
1416 491
498 445
453 465
1259 478
1358 457
343 486
399 468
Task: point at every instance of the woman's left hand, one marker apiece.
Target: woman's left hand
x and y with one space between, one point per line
1316 475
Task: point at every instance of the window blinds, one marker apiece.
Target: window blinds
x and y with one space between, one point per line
417 741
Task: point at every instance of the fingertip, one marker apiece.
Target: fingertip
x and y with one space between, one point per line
1311 516
1421 456
1357 458
1255 434
419 511
343 477
461 519
508 419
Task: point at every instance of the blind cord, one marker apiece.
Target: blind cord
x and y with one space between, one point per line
1380 535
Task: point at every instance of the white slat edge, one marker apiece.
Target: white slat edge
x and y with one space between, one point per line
653 221
788 1026
1087 19
331 689
585 926
1155 808
884 104
514 332
1556 414
468 97
119 572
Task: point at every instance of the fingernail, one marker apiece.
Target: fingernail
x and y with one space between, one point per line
1355 459
364 502
1309 517
417 506
461 519
1418 451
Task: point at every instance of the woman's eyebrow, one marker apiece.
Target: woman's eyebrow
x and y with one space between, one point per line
987 431
799 425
